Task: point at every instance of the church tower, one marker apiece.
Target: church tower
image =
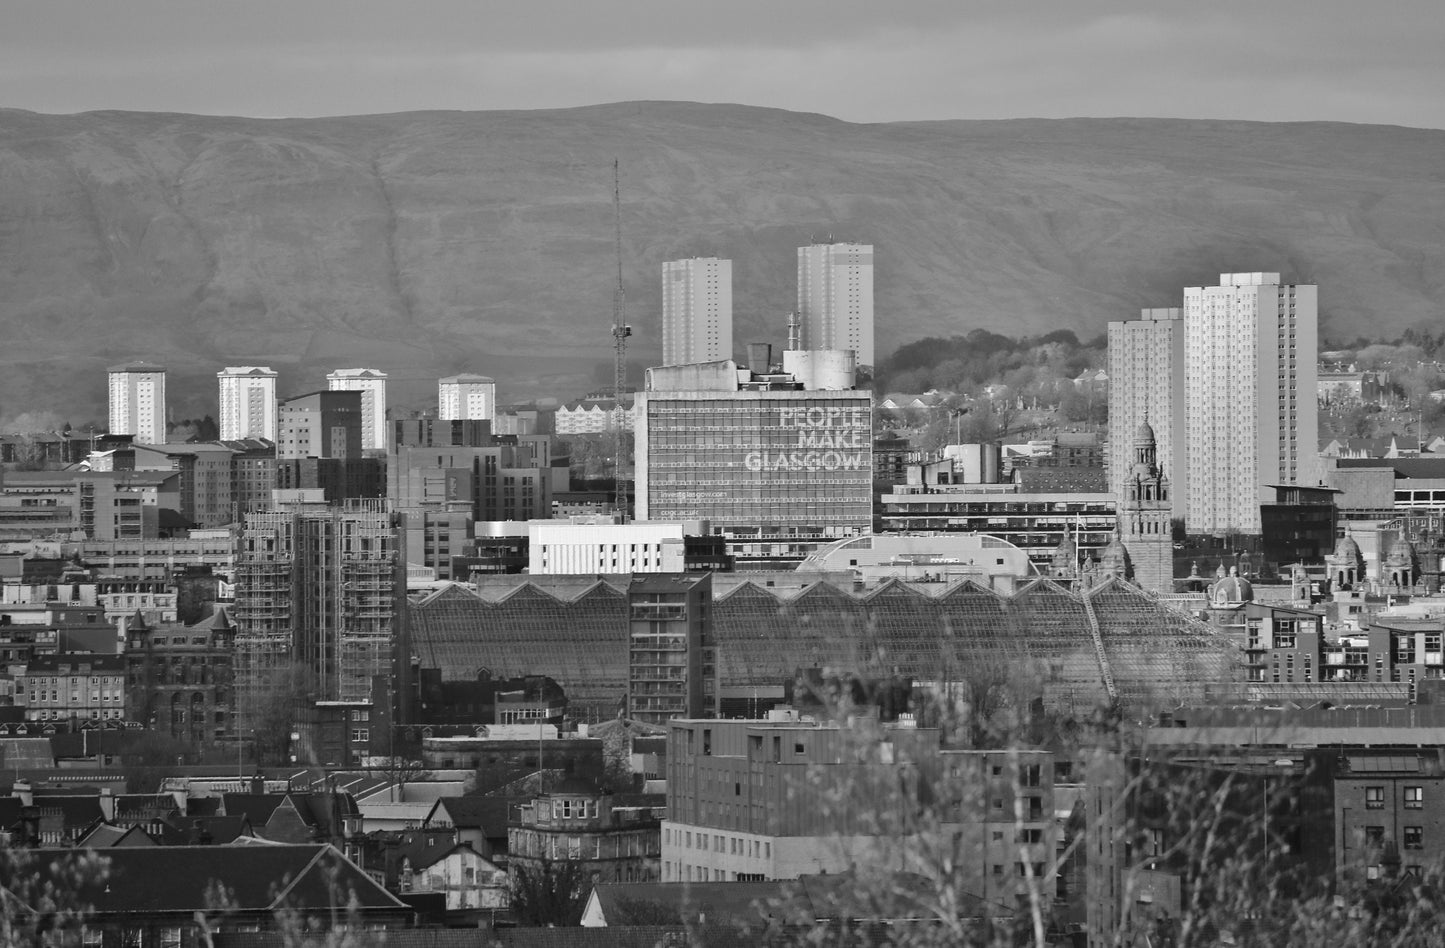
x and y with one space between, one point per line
1144 517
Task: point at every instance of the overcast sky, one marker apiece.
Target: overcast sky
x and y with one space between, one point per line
861 60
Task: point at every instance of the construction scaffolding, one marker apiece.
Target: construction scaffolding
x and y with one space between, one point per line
318 590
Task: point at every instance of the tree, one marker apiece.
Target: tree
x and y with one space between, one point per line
400 770
553 894
151 755
45 909
272 708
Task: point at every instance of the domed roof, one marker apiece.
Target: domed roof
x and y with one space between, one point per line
1232 588
1115 556
1144 433
1066 555
1347 547
1401 551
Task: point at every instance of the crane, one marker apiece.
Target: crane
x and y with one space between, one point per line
620 332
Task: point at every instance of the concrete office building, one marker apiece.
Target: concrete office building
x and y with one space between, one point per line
777 470
321 425
1250 347
697 310
1146 385
138 401
749 800
248 402
835 298
371 383
466 398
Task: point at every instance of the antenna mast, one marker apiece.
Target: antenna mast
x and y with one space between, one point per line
620 332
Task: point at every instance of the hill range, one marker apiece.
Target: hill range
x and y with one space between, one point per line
429 243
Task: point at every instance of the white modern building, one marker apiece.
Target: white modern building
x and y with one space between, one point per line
697 310
835 298
925 557
371 383
138 401
1250 349
1146 377
595 415
248 402
591 548
466 398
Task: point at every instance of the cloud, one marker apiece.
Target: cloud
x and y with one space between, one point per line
928 59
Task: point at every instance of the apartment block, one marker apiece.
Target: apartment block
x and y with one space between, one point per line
247 402
319 589
835 298
138 401
466 397
1250 347
697 310
1146 386
371 383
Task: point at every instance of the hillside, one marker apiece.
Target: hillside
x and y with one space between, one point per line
428 243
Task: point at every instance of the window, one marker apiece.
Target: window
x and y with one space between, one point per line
360 735
1414 798
1414 837
1374 835
1374 798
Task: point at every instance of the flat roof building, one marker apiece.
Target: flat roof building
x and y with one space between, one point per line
697 310
248 402
835 298
777 470
138 401
371 383
1250 347
466 397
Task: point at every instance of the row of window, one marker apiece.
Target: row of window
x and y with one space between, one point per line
1413 798
718 843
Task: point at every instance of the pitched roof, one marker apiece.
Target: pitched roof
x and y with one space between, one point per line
181 878
183 830
489 814
108 836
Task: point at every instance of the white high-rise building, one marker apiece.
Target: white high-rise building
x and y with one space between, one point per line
371 383
697 310
466 398
248 402
835 298
1146 384
1250 346
138 401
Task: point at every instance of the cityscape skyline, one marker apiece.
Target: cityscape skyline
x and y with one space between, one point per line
875 595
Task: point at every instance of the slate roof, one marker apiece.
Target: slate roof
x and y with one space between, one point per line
182 830
178 879
489 814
